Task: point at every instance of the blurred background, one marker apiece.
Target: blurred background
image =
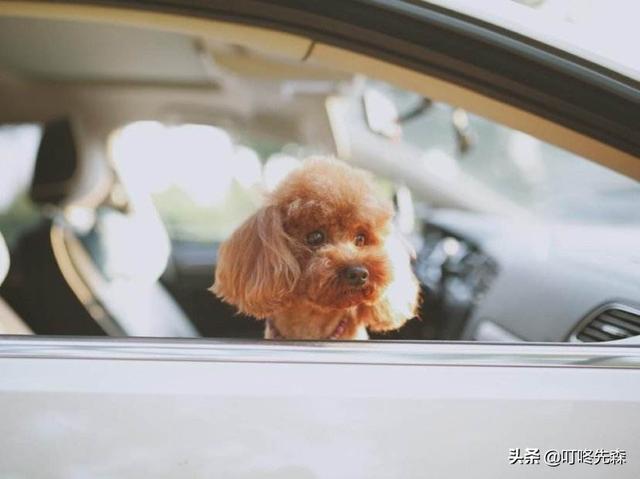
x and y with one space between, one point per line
127 154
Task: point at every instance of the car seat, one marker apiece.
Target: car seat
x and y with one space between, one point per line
89 268
10 323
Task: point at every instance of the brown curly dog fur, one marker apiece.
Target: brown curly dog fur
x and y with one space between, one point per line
321 259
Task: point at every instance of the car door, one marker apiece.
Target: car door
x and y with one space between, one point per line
87 407
151 408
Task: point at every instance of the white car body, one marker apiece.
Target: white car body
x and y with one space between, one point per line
173 409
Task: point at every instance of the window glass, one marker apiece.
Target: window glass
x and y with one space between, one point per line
545 180
504 236
203 183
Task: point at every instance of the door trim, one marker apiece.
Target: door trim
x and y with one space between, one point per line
403 353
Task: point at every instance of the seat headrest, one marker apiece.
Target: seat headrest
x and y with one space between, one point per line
56 164
71 168
4 259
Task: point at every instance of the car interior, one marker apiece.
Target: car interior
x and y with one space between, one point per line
10 323
131 146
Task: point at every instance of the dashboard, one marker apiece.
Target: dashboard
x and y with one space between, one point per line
455 274
489 278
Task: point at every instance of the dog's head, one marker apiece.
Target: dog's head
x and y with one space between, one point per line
323 244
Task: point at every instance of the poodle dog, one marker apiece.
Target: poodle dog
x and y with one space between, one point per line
320 260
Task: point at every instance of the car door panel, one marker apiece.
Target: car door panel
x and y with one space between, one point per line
251 409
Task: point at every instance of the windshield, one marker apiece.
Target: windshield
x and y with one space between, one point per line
576 26
549 182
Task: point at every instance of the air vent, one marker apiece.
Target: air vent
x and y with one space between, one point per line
608 324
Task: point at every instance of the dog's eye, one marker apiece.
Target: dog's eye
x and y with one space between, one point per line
360 240
315 238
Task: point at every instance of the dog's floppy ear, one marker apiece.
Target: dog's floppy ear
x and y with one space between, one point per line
400 300
256 269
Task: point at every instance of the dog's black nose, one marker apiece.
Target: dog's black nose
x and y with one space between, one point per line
356 275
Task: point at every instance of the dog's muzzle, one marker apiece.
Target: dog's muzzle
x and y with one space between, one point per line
356 276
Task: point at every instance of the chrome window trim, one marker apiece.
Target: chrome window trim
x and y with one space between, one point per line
407 353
